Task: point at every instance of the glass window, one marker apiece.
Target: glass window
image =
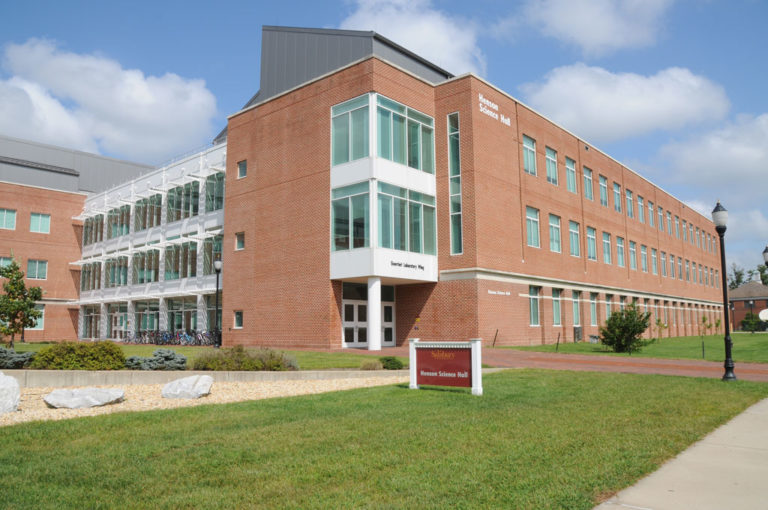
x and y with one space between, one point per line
570 175
650 213
406 220
588 184
608 305
661 218
633 255
212 252
532 226
677 226
240 241
551 166
454 162
116 272
630 204
146 266
644 258
214 192
349 130
603 191
556 310
183 202
554 233
242 169
620 251
617 197
238 319
606 247
654 261
640 209
669 223
93 230
181 260
573 232
146 213
533 301
40 223
118 221
404 135
8 219
679 268
350 211
529 155
685 231
37 269
40 321
576 300
591 243
671 265
5 261
663 264
593 308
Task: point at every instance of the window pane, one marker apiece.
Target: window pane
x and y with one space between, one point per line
401 224
360 221
341 224
430 232
385 221
456 246
415 227
398 139
341 139
413 145
384 133
360 133
427 150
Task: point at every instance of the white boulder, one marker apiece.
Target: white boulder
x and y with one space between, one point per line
195 386
10 393
80 398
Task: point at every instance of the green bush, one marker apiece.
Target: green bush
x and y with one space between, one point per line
238 358
371 364
11 359
391 363
752 323
161 359
623 330
80 356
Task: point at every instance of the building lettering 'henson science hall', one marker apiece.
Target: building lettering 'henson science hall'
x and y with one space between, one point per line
362 197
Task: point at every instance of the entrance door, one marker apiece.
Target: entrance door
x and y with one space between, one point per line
355 323
388 324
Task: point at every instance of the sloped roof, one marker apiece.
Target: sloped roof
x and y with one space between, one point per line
749 290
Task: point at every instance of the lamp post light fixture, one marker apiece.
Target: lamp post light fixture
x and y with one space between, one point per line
720 219
217 268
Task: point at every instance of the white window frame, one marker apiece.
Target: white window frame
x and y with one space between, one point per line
551 158
555 239
532 227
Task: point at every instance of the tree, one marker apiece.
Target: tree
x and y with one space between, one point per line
17 303
762 270
623 330
752 323
736 276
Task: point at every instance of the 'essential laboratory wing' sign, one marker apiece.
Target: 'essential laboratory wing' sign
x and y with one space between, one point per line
447 364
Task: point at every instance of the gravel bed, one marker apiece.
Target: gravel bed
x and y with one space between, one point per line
147 397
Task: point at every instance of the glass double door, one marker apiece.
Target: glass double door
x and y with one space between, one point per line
355 321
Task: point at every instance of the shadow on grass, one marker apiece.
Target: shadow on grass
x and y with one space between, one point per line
442 389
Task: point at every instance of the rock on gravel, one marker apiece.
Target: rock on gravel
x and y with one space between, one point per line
195 386
9 394
80 398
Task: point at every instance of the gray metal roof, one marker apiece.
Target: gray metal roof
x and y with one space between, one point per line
749 290
291 56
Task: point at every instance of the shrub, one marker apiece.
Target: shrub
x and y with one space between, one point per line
371 364
238 358
12 359
161 359
752 323
623 329
391 363
80 356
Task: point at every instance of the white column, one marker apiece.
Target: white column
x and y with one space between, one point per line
162 316
104 322
374 313
412 363
202 313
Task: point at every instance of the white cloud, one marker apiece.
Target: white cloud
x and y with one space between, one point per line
598 27
448 41
91 103
602 106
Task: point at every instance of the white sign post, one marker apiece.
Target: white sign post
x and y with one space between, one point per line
446 364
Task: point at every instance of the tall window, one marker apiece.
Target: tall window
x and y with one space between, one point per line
617 197
533 305
454 162
242 169
644 258
654 261
183 201
214 192
349 130
671 266
37 269
588 184
529 155
574 238
181 261
608 305
633 255
640 209
40 321
606 247
651 213
679 268
603 191
118 221
556 309
591 243
663 263
620 251
93 230
40 223
211 250
405 136
669 223
8 219
576 299
593 308
630 203
146 266
551 166
532 226
554 233
90 276
685 231
661 218
687 271
570 175
406 220
350 211
116 272
146 212
677 226
698 238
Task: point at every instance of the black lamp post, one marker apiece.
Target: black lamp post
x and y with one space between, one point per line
720 218
217 268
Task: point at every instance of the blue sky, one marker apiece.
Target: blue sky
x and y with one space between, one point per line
675 89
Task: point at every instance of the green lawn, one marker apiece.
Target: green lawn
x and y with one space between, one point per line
536 439
747 347
308 360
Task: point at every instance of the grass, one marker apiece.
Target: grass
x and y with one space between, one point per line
308 360
536 439
747 347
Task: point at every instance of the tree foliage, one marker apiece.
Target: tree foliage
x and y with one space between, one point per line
736 276
17 303
752 323
623 330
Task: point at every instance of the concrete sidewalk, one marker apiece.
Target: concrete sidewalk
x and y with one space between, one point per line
727 469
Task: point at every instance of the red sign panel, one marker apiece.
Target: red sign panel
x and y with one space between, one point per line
444 367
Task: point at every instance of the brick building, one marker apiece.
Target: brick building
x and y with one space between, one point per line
752 297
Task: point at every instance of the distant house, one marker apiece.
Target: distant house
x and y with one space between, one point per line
750 297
